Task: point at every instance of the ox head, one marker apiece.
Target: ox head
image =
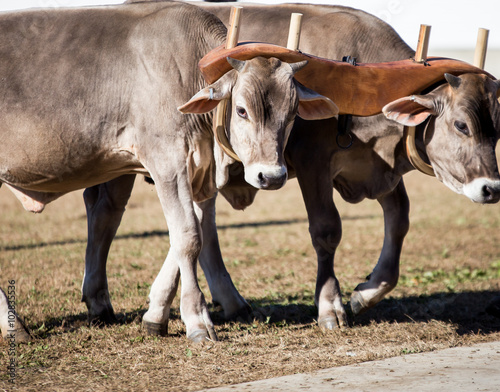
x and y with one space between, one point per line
264 100
461 135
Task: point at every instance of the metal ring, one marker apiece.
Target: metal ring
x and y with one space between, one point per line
349 135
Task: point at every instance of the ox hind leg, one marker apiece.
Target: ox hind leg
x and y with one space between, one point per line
13 329
385 275
105 204
11 326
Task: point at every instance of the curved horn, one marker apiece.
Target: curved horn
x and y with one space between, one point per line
236 64
296 67
454 81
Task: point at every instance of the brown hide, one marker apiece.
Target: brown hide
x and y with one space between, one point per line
361 90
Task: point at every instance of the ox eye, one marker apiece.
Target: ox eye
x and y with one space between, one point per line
241 112
462 128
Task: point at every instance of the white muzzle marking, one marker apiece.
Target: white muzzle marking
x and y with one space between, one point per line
266 176
482 190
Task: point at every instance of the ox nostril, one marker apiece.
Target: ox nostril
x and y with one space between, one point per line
272 182
262 180
490 194
487 192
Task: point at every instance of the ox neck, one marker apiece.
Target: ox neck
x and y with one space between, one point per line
412 153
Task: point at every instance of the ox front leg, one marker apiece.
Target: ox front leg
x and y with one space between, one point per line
219 281
325 228
185 246
105 205
385 275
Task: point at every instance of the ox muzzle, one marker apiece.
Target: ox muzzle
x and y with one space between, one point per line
483 190
268 177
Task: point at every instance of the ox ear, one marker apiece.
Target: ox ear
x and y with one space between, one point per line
209 97
314 106
410 111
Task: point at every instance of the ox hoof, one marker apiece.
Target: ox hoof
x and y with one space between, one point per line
334 322
105 316
243 314
201 335
155 329
102 320
358 305
328 323
19 335
22 336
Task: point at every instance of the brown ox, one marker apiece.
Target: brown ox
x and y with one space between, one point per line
90 98
457 128
457 132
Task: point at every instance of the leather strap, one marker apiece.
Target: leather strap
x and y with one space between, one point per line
220 130
413 155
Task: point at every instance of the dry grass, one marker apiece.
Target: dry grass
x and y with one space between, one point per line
450 272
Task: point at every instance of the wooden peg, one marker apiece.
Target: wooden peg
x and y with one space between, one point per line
481 46
294 32
423 43
234 27
411 148
219 121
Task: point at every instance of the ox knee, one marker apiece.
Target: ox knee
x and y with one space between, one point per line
325 240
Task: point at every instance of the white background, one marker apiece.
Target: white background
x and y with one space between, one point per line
454 23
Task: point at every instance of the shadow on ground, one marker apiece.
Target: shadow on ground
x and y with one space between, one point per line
148 234
164 233
470 312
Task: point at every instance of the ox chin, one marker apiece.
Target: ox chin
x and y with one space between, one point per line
268 177
483 190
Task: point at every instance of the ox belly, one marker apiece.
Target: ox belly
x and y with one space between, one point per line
37 177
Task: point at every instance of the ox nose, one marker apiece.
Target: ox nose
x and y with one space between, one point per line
490 194
272 182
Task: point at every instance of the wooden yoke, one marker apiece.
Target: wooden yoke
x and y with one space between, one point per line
361 90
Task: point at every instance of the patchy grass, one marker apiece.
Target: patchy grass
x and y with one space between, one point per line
450 271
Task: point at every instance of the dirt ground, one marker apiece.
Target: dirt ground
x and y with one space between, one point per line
450 272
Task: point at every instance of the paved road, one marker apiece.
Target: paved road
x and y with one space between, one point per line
467 369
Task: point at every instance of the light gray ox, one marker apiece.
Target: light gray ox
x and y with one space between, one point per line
89 99
457 128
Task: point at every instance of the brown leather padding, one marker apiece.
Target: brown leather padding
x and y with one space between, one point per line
361 90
